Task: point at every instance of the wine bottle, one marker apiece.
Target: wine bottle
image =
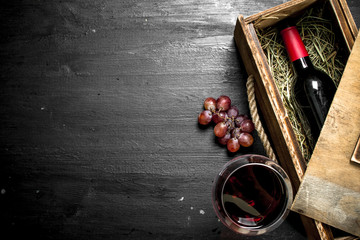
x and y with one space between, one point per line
313 90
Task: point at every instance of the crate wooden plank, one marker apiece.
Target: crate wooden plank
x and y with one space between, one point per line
348 16
273 111
267 97
272 15
269 100
344 18
330 190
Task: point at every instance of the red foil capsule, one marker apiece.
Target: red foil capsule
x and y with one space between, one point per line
293 43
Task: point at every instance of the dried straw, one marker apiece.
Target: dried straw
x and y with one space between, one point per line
319 39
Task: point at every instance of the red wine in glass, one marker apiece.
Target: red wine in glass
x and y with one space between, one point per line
252 195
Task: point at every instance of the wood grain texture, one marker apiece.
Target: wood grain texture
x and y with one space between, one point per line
270 16
271 105
273 110
98 130
347 27
99 134
330 172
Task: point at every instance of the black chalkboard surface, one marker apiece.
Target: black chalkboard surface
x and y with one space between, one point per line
98 129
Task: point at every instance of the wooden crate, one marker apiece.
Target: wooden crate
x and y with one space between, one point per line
267 95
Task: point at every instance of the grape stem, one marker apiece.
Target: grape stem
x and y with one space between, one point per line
218 113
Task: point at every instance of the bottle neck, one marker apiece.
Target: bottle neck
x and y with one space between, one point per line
293 43
302 65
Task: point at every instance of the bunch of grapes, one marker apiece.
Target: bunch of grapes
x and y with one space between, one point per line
231 128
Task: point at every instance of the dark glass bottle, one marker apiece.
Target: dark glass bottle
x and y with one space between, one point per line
313 90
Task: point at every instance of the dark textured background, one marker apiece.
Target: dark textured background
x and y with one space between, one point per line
99 102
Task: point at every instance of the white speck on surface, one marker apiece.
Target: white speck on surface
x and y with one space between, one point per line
93 30
188 222
181 199
192 208
202 212
3 191
65 70
42 108
145 19
37 191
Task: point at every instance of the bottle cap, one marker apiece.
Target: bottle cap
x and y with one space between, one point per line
293 43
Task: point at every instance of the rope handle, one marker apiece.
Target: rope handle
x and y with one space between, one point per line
256 119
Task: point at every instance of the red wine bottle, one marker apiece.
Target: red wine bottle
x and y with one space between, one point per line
313 90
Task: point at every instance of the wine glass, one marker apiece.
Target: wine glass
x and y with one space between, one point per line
252 195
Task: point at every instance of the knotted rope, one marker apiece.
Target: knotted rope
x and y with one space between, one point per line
256 119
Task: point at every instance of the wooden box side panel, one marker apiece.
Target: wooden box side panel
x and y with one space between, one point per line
275 14
269 101
245 45
345 20
267 96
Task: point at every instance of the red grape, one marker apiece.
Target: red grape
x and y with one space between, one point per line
210 104
219 117
220 129
231 129
224 139
205 117
233 145
245 139
247 126
233 112
240 118
223 103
